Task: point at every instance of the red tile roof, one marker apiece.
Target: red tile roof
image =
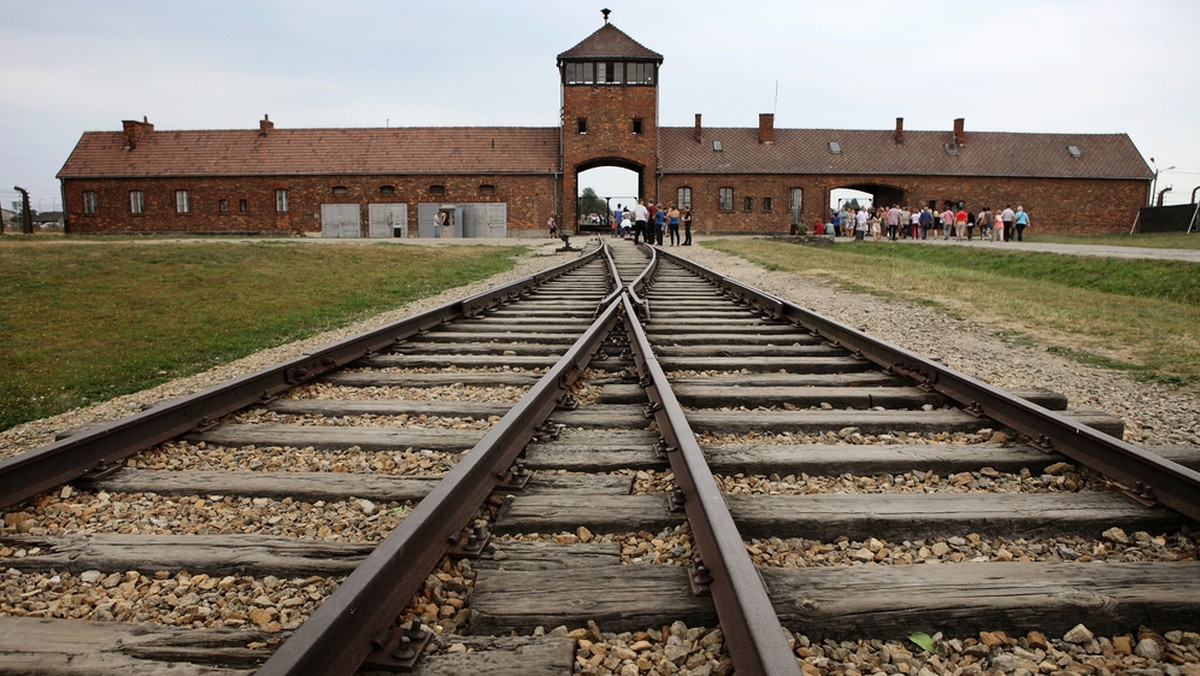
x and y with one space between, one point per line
610 43
294 152
534 150
923 153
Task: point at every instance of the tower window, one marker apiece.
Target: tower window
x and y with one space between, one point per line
581 125
637 125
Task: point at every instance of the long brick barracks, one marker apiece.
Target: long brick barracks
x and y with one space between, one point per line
507 181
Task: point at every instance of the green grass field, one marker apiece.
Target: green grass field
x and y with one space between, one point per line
84 321
1142 316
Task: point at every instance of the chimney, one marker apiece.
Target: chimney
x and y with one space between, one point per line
958 131
900 130
265 125
696 132
133 131
766 127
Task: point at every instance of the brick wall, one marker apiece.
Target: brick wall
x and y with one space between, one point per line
1054 205
530 199
610 140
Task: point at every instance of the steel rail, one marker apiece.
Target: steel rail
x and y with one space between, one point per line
617 284
339 635
757 641
100 448
1149 477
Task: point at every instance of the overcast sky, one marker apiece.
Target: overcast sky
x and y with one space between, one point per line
1104 66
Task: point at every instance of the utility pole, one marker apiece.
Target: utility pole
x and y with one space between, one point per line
26 216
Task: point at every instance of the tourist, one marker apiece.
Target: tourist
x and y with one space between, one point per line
1021 220
1007 217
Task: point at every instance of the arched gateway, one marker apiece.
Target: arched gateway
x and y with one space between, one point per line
507 181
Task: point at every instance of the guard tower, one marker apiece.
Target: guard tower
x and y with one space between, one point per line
609 110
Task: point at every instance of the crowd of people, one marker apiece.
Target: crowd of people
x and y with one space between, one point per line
898 222
648 222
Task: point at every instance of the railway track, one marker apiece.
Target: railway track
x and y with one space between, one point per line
689 476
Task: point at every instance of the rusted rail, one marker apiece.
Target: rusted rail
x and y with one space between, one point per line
754 635
99 449
1149 477
353 624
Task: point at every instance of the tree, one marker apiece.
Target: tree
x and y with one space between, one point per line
591 203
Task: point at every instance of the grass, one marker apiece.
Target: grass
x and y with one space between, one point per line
1141 316
1156 240
82 322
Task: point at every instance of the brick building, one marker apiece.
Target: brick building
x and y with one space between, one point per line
506 181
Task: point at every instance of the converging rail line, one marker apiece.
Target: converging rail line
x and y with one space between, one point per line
624 443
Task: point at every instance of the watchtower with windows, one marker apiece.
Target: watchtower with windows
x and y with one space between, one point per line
609 108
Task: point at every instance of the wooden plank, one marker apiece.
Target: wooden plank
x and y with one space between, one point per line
836 459
817 422
831 364
51 646
594 459
617 598
741 350
555 512
328 437
213 554
392 379
852 379
469 361
921 515
843 603
507 348
500 656
604 415
716 396
327 485
509 555
961 600
828 516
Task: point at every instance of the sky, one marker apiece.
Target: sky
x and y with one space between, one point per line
1094 66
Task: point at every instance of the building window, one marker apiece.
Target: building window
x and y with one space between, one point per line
91 203
487 189
725 199
137 202
795 201
340 190
637 126
387 191
223 206
766 204
281 200
182 206
581 125
747 204
437 190
683 196
242 206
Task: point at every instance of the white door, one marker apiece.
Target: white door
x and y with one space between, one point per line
388 220
340 220
497 221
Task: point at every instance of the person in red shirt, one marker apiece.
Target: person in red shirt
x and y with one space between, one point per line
960 224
